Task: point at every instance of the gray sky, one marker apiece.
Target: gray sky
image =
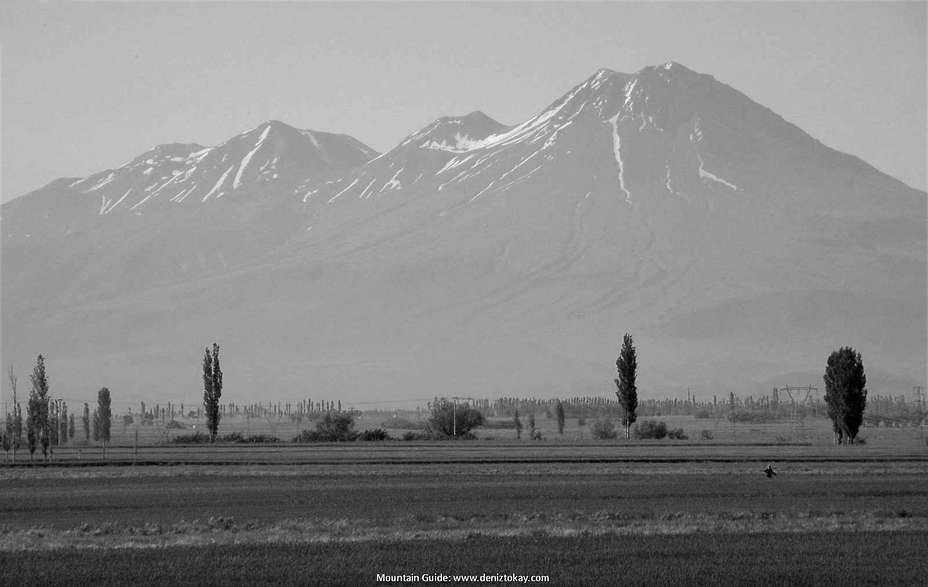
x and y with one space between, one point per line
89 86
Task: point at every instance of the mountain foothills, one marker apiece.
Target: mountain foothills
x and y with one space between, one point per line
478 259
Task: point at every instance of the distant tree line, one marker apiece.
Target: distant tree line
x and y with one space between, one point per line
48 422
880 408
155 413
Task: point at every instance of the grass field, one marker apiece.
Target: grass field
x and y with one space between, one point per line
807 430
579 512
153 443
814 559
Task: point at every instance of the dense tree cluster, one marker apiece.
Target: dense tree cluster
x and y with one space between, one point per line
338 426
48 423
452 420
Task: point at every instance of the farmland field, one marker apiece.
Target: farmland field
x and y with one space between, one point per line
578 512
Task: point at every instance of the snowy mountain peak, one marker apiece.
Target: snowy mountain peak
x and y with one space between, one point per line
269 159
478 118
599 78
671 66
456 133
674 74
160 154
270 128
273 124
287 136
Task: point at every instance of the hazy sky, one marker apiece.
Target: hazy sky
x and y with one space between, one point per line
87 86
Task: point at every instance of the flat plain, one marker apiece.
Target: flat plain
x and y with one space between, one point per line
578 512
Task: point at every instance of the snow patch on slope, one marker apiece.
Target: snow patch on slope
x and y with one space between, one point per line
704 174
461 143
351 185
394 183
667 181
180 197
617 151
363 193
109 208
219 183
309 134
103 182
247 159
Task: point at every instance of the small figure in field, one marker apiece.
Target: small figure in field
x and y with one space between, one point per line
769 471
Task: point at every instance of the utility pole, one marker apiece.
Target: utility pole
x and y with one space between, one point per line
454 413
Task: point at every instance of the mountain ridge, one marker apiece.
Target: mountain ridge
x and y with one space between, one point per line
664 203
659 70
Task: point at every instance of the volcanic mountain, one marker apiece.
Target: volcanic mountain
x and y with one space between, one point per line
478 259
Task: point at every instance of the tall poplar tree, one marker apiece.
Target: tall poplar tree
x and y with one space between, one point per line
30 436
38 409
85 420
63 424
53 422
845 393
559 411
6 433
104 416
627 392
212 390
16 425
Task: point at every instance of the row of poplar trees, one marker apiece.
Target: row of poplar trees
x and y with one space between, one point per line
845 389
39 428
47 420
